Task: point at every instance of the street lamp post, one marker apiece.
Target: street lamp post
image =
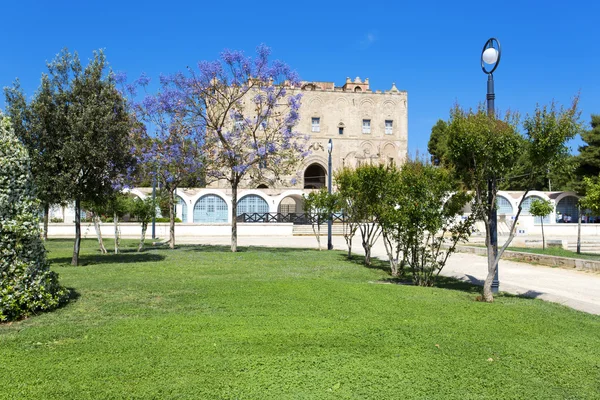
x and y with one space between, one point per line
490 58
329 221
154 204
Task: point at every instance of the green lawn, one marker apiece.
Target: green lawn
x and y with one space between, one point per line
551 251
202 323
557 252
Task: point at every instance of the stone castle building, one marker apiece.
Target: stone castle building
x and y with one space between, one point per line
364 125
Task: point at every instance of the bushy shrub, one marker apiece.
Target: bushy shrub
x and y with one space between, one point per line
26 283
162 219
56 220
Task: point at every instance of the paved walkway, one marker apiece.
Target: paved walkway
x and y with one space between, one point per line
577 289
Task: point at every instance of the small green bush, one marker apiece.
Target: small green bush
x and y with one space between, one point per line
56 220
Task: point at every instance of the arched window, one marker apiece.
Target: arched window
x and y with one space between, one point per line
210 208
252 204
314 177
181 209
504 206
566 209
527 204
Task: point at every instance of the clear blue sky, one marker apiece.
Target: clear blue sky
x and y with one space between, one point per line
431 49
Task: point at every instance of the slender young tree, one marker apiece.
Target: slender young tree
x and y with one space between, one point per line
171 153
318 206
143 211
541 208
247 110
483 150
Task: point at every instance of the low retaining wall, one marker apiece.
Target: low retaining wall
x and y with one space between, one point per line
134 230
552 261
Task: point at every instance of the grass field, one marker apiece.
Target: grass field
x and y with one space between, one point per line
202 323
557 252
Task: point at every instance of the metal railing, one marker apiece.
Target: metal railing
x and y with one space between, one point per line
295 218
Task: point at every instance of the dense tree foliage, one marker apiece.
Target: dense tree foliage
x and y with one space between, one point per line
79 130
589 155
26 283
39 126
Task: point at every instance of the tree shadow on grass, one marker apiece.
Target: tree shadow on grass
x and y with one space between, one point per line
205 248
376 263
126 256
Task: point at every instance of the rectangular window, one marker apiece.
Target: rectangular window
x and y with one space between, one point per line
388 127
316 125
341 130
366 126
239 122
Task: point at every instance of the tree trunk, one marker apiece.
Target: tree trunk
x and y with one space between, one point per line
116 223
488 295
543 237
46 217
234 188
349 242
172 218
144 228
75 259
367 248
96 219
578 230
317 232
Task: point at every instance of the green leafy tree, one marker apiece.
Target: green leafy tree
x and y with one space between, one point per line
484 150
27 285
318 206
119 205
437 145
96 147
591 201
370 179
419 212
347 193
541 208
589 155
144 211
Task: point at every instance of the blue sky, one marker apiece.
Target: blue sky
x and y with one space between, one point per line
431 49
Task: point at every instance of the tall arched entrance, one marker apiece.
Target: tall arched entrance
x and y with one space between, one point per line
314 176
291 205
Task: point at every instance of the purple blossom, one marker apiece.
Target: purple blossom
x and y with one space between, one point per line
143 80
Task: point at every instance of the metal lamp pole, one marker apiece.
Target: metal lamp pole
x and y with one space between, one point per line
329 221
154 205
490 58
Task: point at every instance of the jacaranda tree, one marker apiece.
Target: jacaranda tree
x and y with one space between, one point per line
247 111
170 146
26 283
